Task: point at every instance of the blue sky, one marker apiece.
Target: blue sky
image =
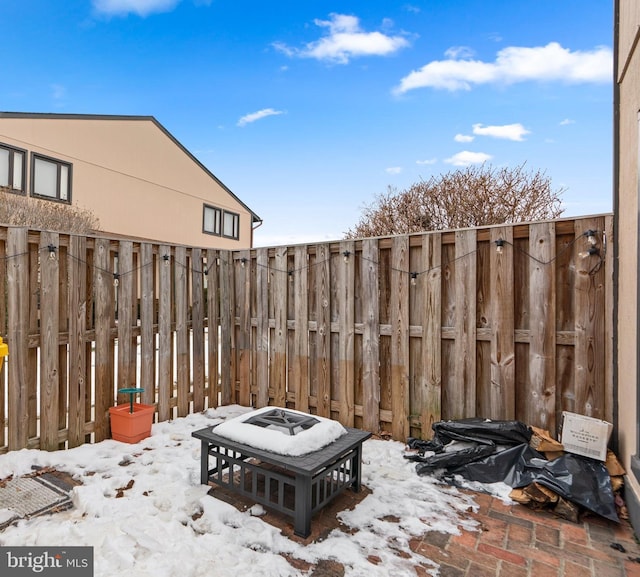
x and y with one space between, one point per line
307 110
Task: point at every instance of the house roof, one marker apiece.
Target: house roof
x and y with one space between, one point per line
254 217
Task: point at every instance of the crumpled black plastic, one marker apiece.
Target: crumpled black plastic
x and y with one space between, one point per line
578 479
476 430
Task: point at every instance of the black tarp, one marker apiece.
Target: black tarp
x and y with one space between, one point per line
499 451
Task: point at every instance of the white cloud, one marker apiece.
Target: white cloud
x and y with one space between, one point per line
567 121
139 7
427 162
393 170
515 64
506 131
249 118
463 138
465 158
457 52
345 40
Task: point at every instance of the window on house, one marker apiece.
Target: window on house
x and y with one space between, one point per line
12 167
231 225
212 220
220 222
50 178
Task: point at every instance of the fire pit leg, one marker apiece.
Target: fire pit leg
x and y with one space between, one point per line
204 462
302 515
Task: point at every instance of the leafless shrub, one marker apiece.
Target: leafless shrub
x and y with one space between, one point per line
469 197
18 210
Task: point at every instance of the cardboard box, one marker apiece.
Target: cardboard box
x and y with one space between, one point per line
585 436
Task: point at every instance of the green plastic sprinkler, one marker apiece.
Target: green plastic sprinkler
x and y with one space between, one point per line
131 393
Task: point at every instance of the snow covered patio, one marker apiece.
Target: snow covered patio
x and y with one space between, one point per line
143 510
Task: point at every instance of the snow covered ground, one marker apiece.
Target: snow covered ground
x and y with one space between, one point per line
165 524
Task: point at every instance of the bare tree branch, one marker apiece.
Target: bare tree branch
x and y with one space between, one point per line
469 197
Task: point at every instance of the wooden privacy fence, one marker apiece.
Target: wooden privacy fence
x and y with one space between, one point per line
387 334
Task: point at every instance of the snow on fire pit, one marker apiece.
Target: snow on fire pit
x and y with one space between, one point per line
281 431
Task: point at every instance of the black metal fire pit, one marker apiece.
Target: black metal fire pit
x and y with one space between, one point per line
296 486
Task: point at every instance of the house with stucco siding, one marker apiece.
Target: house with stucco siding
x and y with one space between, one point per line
129 171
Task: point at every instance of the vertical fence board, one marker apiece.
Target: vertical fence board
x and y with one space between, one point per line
243 301
431 283
34 329
610 291
165 354
400 337
370 337
147 336
323 330
502 391
227 389
346 293
212 325
123 284
102 282
18 336
181 266
49 330
590 341
301 335
3 334
197 329
465 323
262 327
279 284
63 347
78 392
540 405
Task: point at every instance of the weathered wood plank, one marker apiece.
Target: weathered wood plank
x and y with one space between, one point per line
78 391
539 406
370 337
590 327
197 329
609 328
3 333
165 352
49 329
301 334
243 268
181 267
323 330
147 335
502 391
212 326
346 294
227 329
400 338
464 386
103 286
262 327
123 283
279 282
34 323
430 282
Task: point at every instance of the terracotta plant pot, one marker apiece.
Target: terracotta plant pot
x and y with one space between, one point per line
129 427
